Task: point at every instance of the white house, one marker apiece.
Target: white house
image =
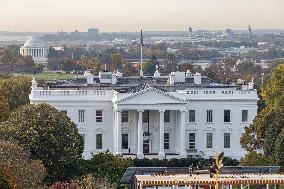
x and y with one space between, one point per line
171 116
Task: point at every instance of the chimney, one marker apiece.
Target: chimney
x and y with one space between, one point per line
197 78
157 73
251 84
172 78
188 74
89 77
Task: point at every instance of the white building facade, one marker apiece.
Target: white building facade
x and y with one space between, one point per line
173 116
37 49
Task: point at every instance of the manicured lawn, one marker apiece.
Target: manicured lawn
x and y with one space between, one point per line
48 76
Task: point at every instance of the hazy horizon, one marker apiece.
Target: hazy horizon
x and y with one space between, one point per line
131 15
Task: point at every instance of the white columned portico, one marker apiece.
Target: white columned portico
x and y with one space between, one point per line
161 154
140 154
182 135
118 133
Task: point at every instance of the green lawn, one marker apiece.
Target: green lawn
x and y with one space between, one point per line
48 76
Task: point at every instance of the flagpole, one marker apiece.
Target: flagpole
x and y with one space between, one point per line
141 55
217 171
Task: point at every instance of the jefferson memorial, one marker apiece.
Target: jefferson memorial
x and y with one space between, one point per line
175 116
37 49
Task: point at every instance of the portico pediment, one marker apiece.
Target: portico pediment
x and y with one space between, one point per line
151 95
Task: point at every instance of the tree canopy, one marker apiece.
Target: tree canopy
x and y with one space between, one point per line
49 135
17 170
15 90
267 131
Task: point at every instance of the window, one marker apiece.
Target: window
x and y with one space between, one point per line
209 118
124 141
99 116
99 141
227 140
227 116
191 116
191 141
124 116
81 116
146 116
244 115
64 111
209 140
167 116
166 141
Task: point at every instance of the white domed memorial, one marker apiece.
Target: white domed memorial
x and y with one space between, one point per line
37 49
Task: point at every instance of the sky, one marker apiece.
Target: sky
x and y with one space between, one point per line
133 15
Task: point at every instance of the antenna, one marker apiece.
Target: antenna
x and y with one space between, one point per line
250 32
189 32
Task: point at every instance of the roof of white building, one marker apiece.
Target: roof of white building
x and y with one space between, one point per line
35 42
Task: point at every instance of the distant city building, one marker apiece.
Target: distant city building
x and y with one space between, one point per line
37 49
173 116
93 31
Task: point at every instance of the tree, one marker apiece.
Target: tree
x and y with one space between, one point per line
256 159
86 182
279 149
117 60
266 132
273 91
17 170
4 109
170 63
149 66
67 64
16 91
50 136
107 166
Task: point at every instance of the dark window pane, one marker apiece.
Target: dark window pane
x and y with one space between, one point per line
124 141
191 141
191 115
167 116
244 115
209 116
209 140
124 116
145 116
166 141
227 116
227 140
99 116
99 141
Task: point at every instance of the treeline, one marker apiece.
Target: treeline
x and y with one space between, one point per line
11 61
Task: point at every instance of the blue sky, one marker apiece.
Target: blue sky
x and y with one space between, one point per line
131 15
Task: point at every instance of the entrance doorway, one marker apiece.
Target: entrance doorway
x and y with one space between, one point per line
146 146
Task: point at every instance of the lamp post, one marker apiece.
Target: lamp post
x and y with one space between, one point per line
262 75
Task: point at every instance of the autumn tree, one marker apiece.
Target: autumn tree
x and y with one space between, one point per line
16 91
49 135
266 132
149 67
170 63
117 60
17 170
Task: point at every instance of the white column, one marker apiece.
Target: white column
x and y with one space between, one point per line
118 132
182 135
140 154
161 154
